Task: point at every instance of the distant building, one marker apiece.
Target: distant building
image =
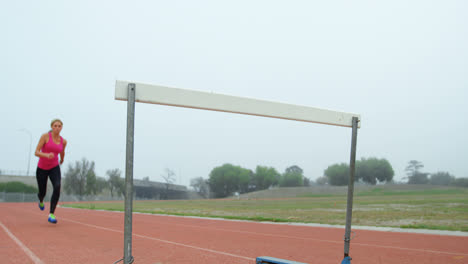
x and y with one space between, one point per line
144 189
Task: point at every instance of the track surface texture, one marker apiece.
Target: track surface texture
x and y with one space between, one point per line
87 236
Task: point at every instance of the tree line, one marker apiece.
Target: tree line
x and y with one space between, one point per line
368 170
374 170
80 179
229 179
416 176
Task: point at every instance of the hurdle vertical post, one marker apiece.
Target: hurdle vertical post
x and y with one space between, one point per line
128 258
352 169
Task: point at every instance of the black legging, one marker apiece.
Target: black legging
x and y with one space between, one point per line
55 177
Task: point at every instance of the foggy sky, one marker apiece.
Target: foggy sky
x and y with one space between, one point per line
401 65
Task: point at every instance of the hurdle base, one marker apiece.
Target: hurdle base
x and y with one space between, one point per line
346 260
271 260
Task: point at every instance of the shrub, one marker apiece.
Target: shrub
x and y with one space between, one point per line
17 187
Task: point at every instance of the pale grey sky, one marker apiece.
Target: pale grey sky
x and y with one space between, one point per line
401 65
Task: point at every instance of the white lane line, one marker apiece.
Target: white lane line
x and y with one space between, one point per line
328 241
318 240
413 249
165 241
26 250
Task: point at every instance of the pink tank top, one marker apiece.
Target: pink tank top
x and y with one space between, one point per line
50 146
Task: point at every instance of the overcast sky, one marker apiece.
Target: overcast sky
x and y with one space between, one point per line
401 65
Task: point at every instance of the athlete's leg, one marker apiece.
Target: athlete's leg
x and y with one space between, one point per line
41 177
56 178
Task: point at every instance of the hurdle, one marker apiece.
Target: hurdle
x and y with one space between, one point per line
155 94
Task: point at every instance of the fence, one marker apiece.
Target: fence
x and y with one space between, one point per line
17 172
32 197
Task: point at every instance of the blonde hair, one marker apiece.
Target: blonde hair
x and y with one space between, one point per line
55 120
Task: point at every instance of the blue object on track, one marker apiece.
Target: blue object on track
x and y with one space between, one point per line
346 260
271 260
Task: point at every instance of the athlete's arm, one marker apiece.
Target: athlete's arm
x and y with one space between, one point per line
62 154
41 143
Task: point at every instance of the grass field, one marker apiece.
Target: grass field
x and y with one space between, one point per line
441 208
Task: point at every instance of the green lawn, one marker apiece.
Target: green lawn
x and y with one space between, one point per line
439 208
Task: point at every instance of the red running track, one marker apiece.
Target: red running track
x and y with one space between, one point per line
87 236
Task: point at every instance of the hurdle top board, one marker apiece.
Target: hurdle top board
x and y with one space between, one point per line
156 94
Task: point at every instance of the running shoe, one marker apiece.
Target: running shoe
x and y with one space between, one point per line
52 219
41 206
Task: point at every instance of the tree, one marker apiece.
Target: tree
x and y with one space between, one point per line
91 182
115 182
265 177
200 186
337 174
419 178
294 169
80 177
227 179
461 182
414 175
322 180
441 178
292 177
169 178
383 170
413 167
101 184
374 170
305 181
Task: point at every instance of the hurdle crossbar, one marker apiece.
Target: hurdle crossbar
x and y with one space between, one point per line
156 94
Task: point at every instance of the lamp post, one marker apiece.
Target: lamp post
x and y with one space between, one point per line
30 145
